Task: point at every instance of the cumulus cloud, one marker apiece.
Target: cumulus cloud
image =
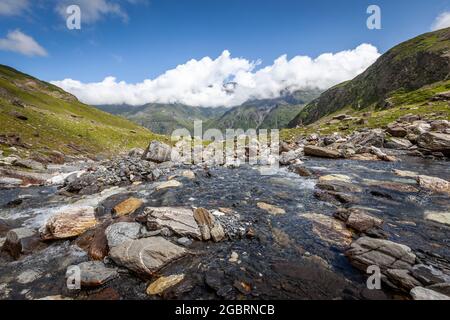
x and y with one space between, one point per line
93 10
442 21
17 41
13 7
204 82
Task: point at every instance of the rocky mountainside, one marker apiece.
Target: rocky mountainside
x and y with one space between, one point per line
39 119
409 66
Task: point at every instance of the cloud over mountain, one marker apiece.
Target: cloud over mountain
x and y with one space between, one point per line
442 21
204 82
17 41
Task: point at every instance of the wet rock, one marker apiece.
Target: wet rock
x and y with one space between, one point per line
164 283
381 155
184 241
287 158
168 184
364 157
19 241
301 171
335 177
127 207
189 174
69 223
329 229
157 152
402 279
105 294
29 164
95 273
434 141
436 216
359 220
6 182
337 184
434 184
234 257
208 225
270 208
120 232
98 248
428 275
443 288
315 151
386 254
420 293
147 255
28 276
179 220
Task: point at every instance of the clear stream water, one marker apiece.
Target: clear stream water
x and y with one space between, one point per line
291 257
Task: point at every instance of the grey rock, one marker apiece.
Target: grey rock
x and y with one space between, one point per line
29 164
434 141
420 293
386 254
157 152
10 182
147 255
179 220
19 241
121 232
95 273
428 275
402 279
321 152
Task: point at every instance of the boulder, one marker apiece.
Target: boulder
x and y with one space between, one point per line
385 254
136 152
396 131
420 293
180 220
434 141
28 164
335 177
95 273
69 223
428 275
121 232
146 256
320 152
208 225
19 241
359 219
128 206
301 171
164 283
370 138
98 248
434 184
437 216
288 157
402 279
157 152
398 143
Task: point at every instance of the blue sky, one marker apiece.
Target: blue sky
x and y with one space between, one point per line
147 37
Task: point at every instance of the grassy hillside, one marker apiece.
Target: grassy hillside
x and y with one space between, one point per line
46 118
407 67
418 102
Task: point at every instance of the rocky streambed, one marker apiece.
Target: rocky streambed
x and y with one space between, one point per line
140 230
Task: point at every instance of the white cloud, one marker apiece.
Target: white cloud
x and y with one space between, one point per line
17 41
13 7
442 21
93 10
201 82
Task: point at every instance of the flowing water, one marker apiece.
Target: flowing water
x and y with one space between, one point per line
291 255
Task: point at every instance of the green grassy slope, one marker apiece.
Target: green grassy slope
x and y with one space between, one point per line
407 67
57 121
418 102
